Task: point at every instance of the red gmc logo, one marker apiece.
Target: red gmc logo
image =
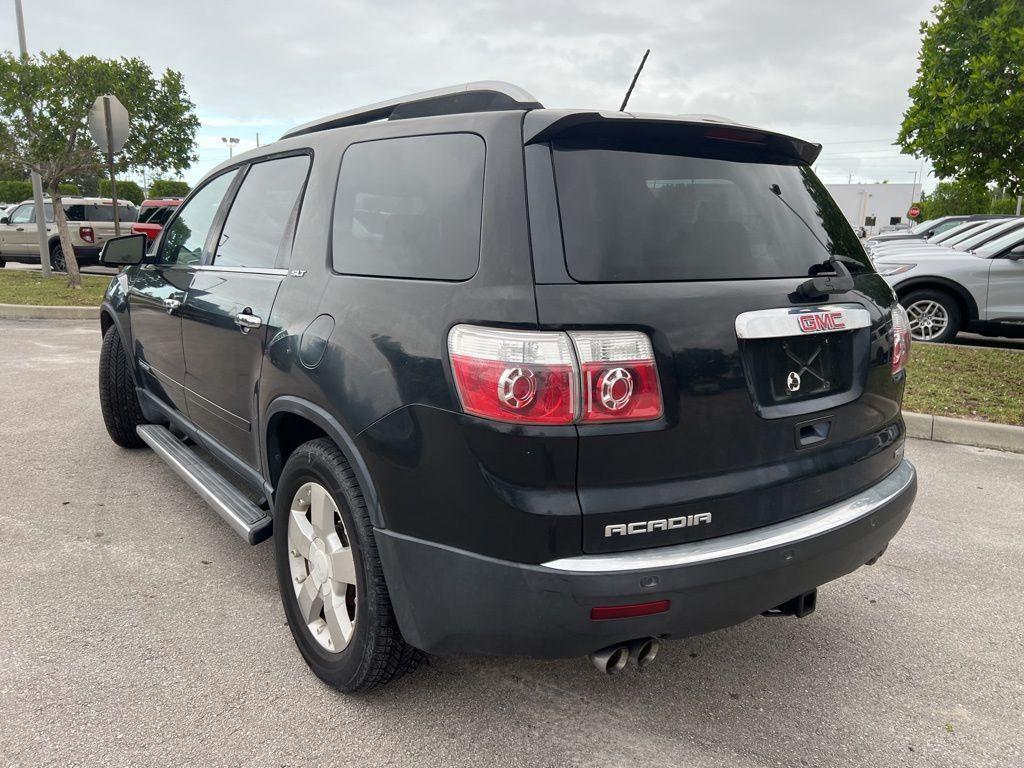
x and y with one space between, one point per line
822 321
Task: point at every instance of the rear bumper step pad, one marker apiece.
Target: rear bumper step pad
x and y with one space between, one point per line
245 518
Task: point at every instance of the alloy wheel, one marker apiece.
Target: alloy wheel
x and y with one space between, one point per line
928 320
322 567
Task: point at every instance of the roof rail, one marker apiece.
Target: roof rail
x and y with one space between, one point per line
479 96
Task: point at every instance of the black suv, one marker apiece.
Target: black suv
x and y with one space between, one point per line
511 380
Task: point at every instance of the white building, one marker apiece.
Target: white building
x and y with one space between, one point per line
876 207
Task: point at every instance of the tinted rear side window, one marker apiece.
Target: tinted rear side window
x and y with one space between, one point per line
410 207
633 216
256 223
105 213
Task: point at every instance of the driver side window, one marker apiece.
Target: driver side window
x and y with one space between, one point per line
22 214
185 238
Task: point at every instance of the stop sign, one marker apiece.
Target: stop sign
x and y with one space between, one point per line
914 212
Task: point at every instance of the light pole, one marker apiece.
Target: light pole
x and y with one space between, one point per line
37 183
231 141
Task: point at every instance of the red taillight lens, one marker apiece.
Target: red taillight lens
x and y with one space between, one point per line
900 339
620 378
87 234
534 377
527 377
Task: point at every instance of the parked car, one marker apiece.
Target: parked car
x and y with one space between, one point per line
90 224
485 413
153 214
964 238
929 228
948 290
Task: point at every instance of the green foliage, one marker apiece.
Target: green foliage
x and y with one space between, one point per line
126 190
951 198
168 188
967 109
14 191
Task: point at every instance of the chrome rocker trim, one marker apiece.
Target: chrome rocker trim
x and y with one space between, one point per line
752 542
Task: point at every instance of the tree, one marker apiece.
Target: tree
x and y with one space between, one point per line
168 188
44 103
950 198
967 108
126 190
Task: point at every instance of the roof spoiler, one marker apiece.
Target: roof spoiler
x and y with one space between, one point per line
544 126
479 96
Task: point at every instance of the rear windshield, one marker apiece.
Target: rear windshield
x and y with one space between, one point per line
633 216
153 214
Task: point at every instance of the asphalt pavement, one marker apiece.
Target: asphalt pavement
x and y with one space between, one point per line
137 629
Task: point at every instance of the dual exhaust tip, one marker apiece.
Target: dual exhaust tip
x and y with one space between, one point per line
614 658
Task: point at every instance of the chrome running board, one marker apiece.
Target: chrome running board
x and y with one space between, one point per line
246 519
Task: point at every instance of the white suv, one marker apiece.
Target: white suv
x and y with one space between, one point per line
90 222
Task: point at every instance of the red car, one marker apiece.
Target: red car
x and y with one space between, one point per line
153 214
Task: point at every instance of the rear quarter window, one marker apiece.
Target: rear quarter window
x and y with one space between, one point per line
410 207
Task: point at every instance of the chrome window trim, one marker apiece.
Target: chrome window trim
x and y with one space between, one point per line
245 270
784 321
769 537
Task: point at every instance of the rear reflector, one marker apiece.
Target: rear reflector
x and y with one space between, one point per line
604 612
551 377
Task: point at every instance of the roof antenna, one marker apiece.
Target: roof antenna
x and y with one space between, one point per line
632 84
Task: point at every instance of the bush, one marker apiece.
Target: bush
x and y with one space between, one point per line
1004 205
16 191
126 190
168 188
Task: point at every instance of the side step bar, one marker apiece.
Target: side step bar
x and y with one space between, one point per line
246 519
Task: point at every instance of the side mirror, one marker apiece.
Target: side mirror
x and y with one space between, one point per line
5 220
128 249
1016 254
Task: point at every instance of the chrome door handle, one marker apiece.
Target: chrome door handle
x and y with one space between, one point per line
246 321
170 305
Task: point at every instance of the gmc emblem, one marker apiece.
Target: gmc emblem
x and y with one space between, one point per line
818 322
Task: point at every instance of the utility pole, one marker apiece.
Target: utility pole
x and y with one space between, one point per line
231 141
1019 198
37 183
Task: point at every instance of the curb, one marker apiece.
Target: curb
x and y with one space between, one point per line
39 312
983 434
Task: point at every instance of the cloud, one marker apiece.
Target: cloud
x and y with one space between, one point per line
829 72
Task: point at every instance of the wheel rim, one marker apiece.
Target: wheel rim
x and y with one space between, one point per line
322 567
928 320
57 260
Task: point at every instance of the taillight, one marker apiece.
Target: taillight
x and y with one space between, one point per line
87 234
900 339
527 377
620 378
546 377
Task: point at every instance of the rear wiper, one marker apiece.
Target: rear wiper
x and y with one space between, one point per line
821 286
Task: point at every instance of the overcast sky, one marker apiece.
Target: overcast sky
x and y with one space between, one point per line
831 72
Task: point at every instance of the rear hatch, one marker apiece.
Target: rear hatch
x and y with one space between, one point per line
774 405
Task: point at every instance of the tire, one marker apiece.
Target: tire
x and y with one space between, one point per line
934 315
57 262
375 652
118 400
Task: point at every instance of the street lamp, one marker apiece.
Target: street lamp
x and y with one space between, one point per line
231 141
37 184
